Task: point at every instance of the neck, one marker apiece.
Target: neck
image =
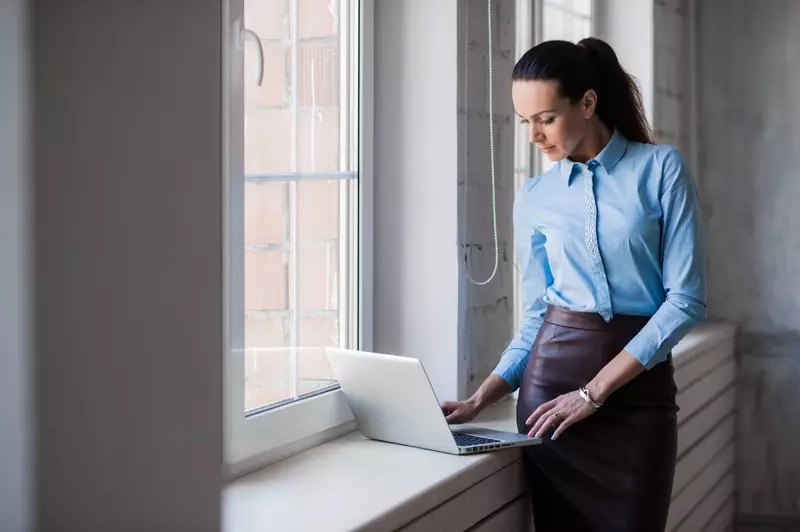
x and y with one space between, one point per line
597 137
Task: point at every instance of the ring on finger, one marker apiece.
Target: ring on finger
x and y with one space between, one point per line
559 417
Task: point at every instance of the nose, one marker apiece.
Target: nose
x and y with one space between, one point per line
536 135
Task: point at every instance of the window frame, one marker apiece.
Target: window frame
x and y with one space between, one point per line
534 32
255 440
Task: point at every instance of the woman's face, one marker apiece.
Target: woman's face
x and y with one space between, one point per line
557 127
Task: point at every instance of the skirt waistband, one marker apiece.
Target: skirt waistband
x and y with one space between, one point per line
592 321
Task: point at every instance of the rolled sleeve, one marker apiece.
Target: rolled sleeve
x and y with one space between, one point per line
683 267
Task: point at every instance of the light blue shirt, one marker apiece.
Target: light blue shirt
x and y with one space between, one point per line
647 259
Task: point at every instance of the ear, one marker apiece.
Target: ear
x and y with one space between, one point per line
589 103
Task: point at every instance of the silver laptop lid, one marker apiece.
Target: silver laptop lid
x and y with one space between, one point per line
392 399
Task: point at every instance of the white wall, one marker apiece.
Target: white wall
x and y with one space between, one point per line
424 305
15 359
128 242
416 172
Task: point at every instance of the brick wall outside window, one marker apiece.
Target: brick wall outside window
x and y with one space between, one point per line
268 149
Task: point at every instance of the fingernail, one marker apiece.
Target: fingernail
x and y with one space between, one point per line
553 437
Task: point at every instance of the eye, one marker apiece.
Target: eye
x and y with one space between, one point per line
523 121
549 120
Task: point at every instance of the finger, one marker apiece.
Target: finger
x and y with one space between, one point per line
542 418
549 421
540 422
448 408
454 416
541 410
449 405
571 420
541 426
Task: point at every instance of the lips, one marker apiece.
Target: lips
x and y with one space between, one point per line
548 149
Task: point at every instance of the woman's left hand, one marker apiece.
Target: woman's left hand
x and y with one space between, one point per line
562 412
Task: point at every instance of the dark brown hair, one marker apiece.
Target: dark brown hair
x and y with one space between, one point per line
590 64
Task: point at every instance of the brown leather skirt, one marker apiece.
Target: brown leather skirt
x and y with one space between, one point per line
613 471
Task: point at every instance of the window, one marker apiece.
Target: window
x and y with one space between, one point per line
568 20
524 40
293 215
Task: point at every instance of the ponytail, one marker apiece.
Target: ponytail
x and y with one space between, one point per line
619 101
590 64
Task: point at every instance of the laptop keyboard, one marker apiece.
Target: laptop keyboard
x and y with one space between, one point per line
465 440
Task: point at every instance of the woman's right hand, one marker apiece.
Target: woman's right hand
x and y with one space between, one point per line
492 389
458 412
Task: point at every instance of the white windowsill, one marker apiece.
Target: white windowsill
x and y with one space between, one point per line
354 483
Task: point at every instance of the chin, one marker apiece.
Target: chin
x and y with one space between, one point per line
554 156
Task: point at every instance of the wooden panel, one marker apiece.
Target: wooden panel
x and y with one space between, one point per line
766 523
725 518
683 504
704 337
699 457
693 429
700 518
475 503
701 392
768 432
705 472
516 517
698 367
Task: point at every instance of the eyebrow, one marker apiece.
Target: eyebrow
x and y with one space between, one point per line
537 114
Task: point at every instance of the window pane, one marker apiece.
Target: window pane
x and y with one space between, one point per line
318 143
568 20
552 22
298 257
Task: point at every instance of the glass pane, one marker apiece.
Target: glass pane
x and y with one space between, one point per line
298 257
288 323
581 8
552 22
568 20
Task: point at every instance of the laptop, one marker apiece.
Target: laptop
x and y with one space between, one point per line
393 401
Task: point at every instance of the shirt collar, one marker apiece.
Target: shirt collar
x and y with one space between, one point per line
607 158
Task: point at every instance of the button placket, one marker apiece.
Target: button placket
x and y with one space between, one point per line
596 261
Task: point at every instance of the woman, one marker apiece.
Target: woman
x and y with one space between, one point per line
613 277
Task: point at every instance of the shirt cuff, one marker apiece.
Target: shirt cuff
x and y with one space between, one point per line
644 350
512 365
664 330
